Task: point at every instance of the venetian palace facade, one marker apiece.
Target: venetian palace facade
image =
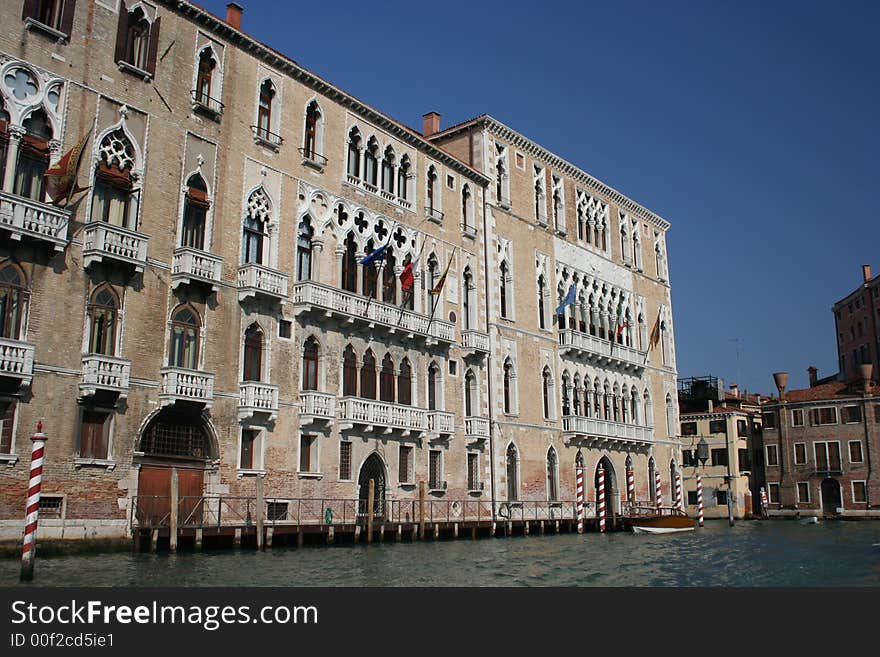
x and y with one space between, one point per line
201 305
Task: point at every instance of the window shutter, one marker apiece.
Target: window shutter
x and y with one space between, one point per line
67 17
6 429
121 32
29 9
154 46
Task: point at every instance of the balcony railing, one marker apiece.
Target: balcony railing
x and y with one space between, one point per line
307 295
575 426
180 384
313 159
404 203
267 137
194 266
24 217
433 214
256 397
17 360
103 241
101 372
476 341
476 427
257 280
205 103
383 415
316 406
441 422
595 349
468 231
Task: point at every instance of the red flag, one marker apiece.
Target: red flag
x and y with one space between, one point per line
406 277
61 177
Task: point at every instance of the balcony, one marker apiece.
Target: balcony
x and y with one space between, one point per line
103 241
313 159
24 217
433 214
316 407
192 266
384 417
441 423
102 373
598 351
267 138
256 280
203 103
468 231
183 385
315 297
595 432
256 398
476 428
17 361
476 342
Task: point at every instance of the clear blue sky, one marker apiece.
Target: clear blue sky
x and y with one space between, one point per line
751 126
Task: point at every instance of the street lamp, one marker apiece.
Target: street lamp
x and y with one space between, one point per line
703 451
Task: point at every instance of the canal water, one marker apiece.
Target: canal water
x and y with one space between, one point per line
757 553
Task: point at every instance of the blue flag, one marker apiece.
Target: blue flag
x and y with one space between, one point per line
569 299
378 254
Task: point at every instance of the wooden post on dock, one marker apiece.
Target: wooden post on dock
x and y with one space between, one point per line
421 510
175 509
260 510
371 499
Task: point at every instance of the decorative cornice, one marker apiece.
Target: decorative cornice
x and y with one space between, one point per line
289 67
536 150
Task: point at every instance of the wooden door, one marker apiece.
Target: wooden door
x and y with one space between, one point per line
154 496
190 484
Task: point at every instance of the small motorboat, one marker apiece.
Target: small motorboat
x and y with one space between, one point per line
663 523
811 520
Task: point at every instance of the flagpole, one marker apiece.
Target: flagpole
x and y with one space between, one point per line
412 290
440 291
381 266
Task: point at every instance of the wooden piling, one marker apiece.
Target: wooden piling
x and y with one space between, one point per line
541 528
260 512
199 539
526 528
300 537
455 530
398 536
154 540
236 539
330 533
382 533
371 499
175 509
357 533
421 510
269 532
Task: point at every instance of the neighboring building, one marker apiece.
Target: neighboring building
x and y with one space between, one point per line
856 322
583 381
725 426
822 448
202 305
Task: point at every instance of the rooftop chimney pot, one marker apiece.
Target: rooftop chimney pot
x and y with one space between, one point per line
814 375
781 379
866 272
233 15
430 123
867 371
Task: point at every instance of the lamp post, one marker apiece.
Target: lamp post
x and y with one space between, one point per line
702 456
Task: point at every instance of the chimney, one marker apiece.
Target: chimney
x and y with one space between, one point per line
866 272
233 15
781 379
430 124
866 370
814 375
734 390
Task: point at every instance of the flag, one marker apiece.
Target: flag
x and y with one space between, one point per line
378 254
655 333
61 177
439 287
621 322
569 299
407 277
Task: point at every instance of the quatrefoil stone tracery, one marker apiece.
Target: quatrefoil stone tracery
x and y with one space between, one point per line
117 149
258 206
21 84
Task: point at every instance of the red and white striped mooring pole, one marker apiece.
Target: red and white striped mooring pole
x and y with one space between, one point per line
678 491
601 504
33 504
630 485
700 500
579 479
658 490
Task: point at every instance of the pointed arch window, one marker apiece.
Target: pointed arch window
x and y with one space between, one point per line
205 80
466 214
184 347
542 291
102 310
264 110
386 379
433 376
13 301
114 200
349 372
409 295
33 157
552 475
467 304
512 473
505 274
353 164
566 401
370 275
253 353
304 250
349 264
368 376
137 39
195 210
403 175
508 397
432 194
57 14
4 139
389 280
433 270
388 162
545 390
404 383
310 365
312 141
576 395
371 162
470 394
254 227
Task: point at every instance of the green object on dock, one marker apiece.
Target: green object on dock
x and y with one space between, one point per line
328 516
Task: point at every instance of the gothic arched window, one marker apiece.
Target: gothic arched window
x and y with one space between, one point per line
184 347
102 310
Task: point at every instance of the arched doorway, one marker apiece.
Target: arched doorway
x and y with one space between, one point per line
612 504
512 473
830 496
373 468
179 440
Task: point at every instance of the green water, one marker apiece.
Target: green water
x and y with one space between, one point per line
767 553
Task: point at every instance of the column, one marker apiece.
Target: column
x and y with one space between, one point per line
15 133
